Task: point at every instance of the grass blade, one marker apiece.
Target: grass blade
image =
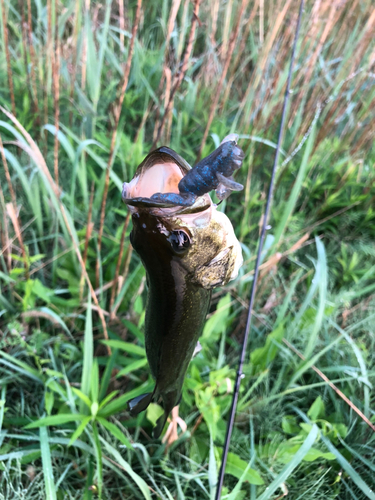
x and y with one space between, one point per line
142 485
132 367
292 200
88 356
82 426
212 469
125 346
106 377
49 481
115 431
99 461
20 366
322 289
63 418
237 488
2 405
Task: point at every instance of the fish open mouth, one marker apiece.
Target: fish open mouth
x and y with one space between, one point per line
161 178
159 173
165 181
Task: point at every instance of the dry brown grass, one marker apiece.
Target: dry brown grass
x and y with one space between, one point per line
7 55
73 67
117 112
33 61
180 74
227 61
56 98
12 210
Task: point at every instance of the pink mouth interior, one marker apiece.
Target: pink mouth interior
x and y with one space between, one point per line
160 178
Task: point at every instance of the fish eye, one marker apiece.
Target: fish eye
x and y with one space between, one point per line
180 241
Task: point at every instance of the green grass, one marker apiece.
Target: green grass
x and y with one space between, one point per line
65 432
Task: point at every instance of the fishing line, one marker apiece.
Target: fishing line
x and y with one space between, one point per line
256 269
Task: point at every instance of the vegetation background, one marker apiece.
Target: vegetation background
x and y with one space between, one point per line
87 88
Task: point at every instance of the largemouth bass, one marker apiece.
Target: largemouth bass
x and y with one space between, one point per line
187 248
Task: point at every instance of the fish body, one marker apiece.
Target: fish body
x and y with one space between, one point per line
186 251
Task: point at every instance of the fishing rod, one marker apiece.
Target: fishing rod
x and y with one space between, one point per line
240 375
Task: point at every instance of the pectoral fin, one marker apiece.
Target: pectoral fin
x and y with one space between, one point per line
140 403
216 272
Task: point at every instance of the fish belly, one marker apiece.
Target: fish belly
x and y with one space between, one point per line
173 327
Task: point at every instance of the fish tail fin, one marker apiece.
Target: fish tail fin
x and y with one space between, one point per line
160 423
140 403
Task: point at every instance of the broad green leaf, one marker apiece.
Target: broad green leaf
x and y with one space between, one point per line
215 324
236 493
35 258
263 356
153 412
317 409
42 291
236 467
314 454
289 424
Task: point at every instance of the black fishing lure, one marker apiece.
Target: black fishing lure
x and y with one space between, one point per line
213 172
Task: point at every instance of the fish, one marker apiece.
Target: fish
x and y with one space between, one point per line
187 247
